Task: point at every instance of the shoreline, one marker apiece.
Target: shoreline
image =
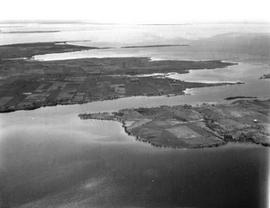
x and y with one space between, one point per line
29 50
34 106
215 125
29 84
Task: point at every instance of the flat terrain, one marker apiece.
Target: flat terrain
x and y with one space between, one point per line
195 127
29 84
28 50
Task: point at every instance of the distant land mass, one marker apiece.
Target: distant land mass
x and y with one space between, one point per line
33 31
153 46
265 76
239 97
28 50
256 44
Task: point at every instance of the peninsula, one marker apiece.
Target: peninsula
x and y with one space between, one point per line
28 84
186 126
27 50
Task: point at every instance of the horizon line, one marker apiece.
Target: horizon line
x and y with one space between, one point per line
57 21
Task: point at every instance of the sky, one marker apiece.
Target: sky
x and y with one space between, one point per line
137 11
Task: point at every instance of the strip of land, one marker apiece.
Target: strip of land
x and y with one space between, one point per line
239 97
206 125
28 84
30 31
28 50
265 76
155 46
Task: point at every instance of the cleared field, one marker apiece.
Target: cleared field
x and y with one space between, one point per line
240 121
84 80
183 132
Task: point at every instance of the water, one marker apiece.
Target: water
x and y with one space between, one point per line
251 66
244 72
51 158
119 35
47 162
248 70
155 53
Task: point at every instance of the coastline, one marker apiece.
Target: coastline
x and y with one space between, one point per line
28 50
195 127
195 135
32 84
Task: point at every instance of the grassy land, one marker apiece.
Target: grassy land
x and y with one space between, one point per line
196 127
29 84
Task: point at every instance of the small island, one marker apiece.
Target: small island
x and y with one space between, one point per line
265 76
239 97
30 31
186 126
155 46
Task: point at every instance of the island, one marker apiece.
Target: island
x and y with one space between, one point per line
239 97
265 76
155 46
30 31
205 125
29 84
